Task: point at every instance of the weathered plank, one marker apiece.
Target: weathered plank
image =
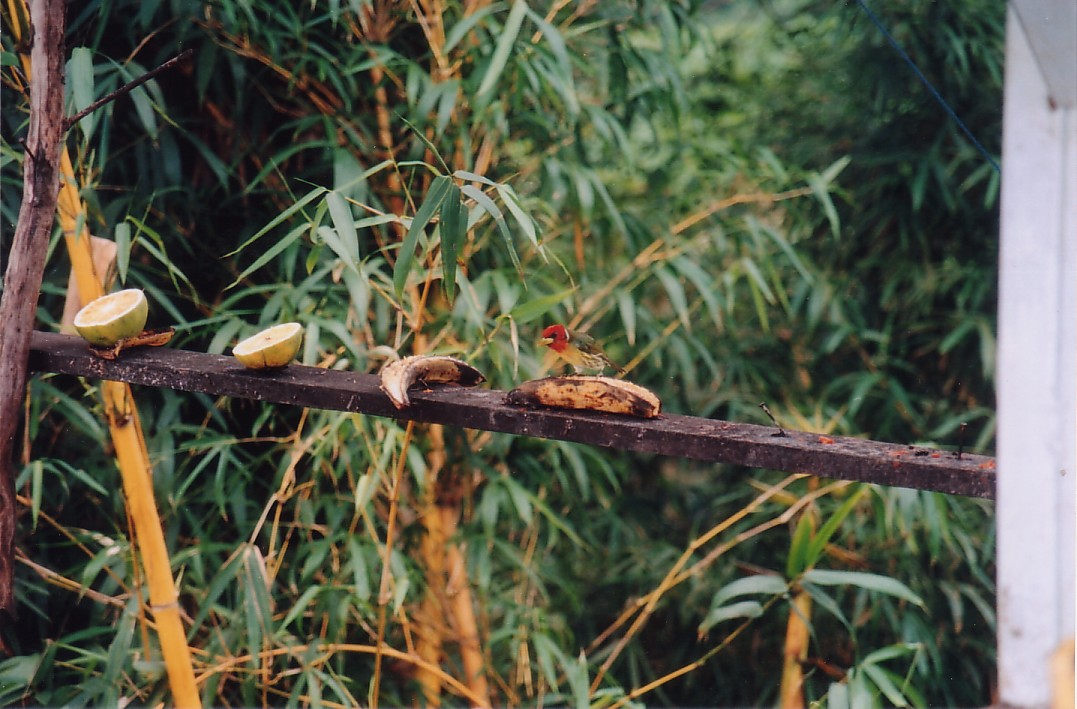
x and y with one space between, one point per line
485 409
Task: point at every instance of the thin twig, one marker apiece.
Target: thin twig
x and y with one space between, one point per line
232 662
386 574
696 664
670 578
126 88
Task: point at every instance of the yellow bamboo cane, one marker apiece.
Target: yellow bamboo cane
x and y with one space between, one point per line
128 440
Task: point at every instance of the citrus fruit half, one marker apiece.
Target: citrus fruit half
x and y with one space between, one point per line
113 317
272 347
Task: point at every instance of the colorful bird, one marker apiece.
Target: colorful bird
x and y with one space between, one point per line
577 349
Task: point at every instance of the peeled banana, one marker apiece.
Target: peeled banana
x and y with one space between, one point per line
614 396
399 376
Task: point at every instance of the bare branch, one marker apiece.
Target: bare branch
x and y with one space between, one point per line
26 260
126 88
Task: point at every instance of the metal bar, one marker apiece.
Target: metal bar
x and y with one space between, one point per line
671 434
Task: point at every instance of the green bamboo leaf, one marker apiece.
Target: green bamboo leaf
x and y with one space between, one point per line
406 258
378 220
453 230
490 208
360 572
37 474
270 254
284 216
467 176
512 201
828 175
145 111
579 681
121 644
532 309
344 223
742 609
155 247
837 696
299 606
505 42
827 603
429 146
822 193
62 468
798 559
550 655
761 584
18 672
869 582
450 94
881 678
257 604
705 286
401 580
331 238
677 297
890 652
830 527
464 26
225 579
520 499
122 236
80 77
626 306
956 335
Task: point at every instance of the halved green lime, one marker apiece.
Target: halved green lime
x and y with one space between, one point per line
272 347
114 317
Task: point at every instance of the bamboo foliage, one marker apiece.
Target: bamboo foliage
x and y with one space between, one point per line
344 166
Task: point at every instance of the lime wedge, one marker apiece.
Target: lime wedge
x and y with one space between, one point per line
273 347
114 317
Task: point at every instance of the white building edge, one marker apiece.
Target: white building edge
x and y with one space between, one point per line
1037 367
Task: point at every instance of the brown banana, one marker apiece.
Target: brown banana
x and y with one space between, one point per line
399 376
587 393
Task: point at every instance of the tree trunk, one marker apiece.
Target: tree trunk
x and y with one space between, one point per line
26 260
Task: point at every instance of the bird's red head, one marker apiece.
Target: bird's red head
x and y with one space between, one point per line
555 337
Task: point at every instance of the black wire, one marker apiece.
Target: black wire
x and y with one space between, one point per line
938 97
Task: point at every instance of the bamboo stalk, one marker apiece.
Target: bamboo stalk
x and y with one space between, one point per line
431 622
797 636
131 453
463 612
133 459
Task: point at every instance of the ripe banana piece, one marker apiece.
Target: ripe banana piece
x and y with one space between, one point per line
614 396
399 376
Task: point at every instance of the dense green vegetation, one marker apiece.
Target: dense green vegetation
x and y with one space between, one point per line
744 203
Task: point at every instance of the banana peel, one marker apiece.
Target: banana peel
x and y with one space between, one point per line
146 338
588 393
399 376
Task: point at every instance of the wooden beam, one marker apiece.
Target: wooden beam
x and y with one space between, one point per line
671 434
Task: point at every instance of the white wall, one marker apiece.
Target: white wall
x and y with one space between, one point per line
1037 340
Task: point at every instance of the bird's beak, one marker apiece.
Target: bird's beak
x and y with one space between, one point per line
547 341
